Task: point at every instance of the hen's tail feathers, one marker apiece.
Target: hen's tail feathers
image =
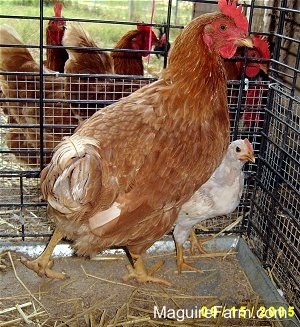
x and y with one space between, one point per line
84 60
8 33
16 59
76 36
77 180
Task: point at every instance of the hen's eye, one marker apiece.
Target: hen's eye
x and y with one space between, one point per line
223 27
238 149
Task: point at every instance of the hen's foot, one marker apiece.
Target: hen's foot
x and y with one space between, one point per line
143 277
180 262
43 264
140 274
197 243
183 267
43 268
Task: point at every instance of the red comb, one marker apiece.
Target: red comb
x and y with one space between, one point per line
262 44
57 9
249 145
231 9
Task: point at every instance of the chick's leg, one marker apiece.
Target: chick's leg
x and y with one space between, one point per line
197 244
181 264
42 265
140 274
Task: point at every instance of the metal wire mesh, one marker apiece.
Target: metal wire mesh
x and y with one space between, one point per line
67 101
22 133
275 231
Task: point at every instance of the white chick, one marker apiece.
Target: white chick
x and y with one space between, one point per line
220 195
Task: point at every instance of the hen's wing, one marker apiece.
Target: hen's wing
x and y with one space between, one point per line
100 160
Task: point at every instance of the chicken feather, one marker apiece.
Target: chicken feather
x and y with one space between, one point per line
150 152
220 195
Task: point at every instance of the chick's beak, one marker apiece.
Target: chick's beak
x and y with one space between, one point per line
248 157
245 42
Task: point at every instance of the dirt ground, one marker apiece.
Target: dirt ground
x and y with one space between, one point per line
95 294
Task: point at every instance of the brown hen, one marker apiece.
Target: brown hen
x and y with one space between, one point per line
131 62
84 90
25 140
86 61
56 57
122 178
89 92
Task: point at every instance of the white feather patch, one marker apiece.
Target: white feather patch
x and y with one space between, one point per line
103 217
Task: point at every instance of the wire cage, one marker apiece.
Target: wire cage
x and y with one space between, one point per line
36 114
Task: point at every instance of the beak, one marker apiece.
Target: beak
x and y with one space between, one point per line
264 68
245 42
248 157
155 42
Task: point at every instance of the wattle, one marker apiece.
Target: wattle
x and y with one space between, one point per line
227 51
252 71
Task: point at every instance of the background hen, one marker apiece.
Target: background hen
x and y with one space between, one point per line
85 92
89 92
162 44
56 57
255 95
234 68
57 119
220 195
122 177
86 61
128 62
254 69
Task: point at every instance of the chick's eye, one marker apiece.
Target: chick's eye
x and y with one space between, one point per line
223 27
238 149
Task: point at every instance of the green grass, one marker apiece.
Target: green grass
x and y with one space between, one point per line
105 35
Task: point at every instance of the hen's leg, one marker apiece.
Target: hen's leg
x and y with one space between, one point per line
140 274
42 265
197 244
181 264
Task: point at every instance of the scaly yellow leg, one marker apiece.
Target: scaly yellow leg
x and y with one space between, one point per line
43 264
181 264
139 272
197 244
